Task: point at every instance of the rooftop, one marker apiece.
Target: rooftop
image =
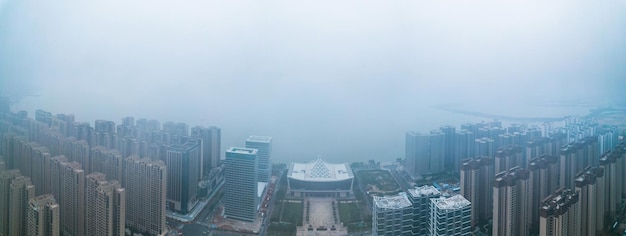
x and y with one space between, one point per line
392 202
241 150
423 191
451 203
319 170
259 139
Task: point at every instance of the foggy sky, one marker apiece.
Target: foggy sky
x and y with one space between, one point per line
341 79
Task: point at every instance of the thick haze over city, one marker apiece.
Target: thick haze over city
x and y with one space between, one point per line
340 79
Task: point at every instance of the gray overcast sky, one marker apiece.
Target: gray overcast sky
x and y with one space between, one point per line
309 70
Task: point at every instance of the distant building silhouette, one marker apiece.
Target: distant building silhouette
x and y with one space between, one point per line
425 153
211 145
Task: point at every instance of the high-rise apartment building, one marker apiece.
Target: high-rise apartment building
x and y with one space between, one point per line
71 195
241 183
560 214
464 148
452 161
612 194
183 168
145 183
507 158
392 215
425 152
450 216
43 216
510 203
476 186
211 145
105 206
543 179
591 201
420 200
107 161
263 145
20 191
484 147
6 176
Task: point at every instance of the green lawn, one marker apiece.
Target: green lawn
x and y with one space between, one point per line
352 217
292 212
286 216
278 229
349 213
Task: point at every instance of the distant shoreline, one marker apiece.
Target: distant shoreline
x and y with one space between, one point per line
450 108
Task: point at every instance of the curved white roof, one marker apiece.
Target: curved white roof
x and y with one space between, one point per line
319 170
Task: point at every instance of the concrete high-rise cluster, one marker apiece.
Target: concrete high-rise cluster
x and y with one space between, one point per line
422 154
421 211
63 158
513 169
263 145
241 184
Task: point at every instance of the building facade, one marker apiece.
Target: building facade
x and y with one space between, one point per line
560 214
20 191
241 184
450 216
420 200
211 145
476 186
183 168
105 210
320 178
263 145
43 216
510 203
145 184
392 215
